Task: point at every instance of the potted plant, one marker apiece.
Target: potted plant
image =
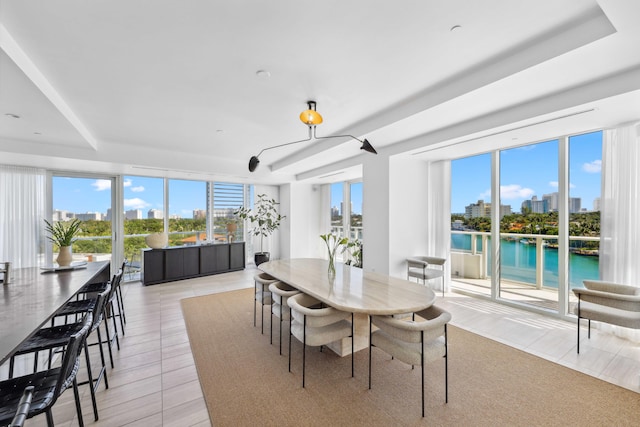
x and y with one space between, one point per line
63 237
265 219
334 243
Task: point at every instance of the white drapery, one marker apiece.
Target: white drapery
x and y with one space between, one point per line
439 214
619 225
22 209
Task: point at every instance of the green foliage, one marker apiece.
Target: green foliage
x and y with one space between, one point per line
62 235
354 247
265 218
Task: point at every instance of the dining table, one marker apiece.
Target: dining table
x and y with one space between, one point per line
33 296
351 289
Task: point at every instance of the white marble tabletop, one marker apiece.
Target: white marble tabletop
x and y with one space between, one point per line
352 289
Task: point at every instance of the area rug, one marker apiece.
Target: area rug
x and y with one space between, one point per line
246 381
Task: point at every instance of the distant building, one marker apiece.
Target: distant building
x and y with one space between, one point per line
535 206
107 217
458 224
596 204
89 216
62 216
335 212
552 201
155 214
199 214
575 204
482 210
174 216
133 214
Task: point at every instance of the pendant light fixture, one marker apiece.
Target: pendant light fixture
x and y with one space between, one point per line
311 118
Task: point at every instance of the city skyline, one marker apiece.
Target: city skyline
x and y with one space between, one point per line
529 171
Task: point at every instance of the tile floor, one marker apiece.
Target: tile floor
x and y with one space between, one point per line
155 383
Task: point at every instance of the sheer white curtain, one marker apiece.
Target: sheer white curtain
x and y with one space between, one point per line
439 213
619 225
22 209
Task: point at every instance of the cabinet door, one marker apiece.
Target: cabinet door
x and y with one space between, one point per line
237 256
153 266
222 257
191 261
174 264
207 259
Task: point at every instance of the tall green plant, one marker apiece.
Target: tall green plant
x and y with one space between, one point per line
264 217
62 235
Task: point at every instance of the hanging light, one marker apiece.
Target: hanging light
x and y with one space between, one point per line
311 118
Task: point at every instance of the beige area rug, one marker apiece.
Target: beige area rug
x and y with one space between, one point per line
246 382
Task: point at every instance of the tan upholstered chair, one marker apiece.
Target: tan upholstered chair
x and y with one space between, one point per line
413 342
262 296
609 303
280 293
315 325
426 268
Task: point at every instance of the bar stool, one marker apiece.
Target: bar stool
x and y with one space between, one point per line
262 295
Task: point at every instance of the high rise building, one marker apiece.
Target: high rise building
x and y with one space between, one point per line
575 204
596 204
199 214
133 214
88 216
552 201
155 214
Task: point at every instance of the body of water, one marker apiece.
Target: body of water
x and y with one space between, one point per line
518 262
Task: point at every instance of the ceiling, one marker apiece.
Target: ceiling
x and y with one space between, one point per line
168 88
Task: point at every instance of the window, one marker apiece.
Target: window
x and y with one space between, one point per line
89 200
187 212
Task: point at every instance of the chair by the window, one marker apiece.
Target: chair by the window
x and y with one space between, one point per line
413 342
607 302
315 325
422 268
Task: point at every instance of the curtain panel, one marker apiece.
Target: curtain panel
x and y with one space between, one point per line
439 214
619 225
22 209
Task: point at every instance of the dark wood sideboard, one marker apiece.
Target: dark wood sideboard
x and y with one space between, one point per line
184 262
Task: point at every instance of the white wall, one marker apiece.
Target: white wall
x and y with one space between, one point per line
407 212
302 204
375 214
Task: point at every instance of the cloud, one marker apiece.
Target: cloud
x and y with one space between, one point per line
486 195
515 191
138 189
101 184
592 167
135 203
127 183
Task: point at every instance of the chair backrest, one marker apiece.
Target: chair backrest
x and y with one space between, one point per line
303 305
101 303
71 360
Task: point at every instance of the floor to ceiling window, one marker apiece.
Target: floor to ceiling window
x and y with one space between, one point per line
188 213
529 234
89 200
537 208
585 158
471 223
346 218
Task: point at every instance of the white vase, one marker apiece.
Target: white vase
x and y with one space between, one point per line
64 256
157 240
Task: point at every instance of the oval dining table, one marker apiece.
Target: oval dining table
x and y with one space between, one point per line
351 289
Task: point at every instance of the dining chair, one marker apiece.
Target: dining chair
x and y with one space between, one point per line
280 294
420 268
414 342
48 385
262 296
316 325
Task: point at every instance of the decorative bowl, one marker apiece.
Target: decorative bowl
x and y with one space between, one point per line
157 240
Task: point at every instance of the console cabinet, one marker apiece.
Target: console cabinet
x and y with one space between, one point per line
184 262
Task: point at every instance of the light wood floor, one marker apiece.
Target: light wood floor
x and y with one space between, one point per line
154 382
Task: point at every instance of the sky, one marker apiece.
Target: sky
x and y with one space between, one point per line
529 171
525 172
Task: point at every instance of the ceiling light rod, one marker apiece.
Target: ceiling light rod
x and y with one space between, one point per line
311 118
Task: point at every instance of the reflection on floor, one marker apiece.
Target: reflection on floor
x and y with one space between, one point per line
155 382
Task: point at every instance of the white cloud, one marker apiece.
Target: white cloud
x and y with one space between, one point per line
135 203
138 189
592 167
485 195
102 184
127 183
515 191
